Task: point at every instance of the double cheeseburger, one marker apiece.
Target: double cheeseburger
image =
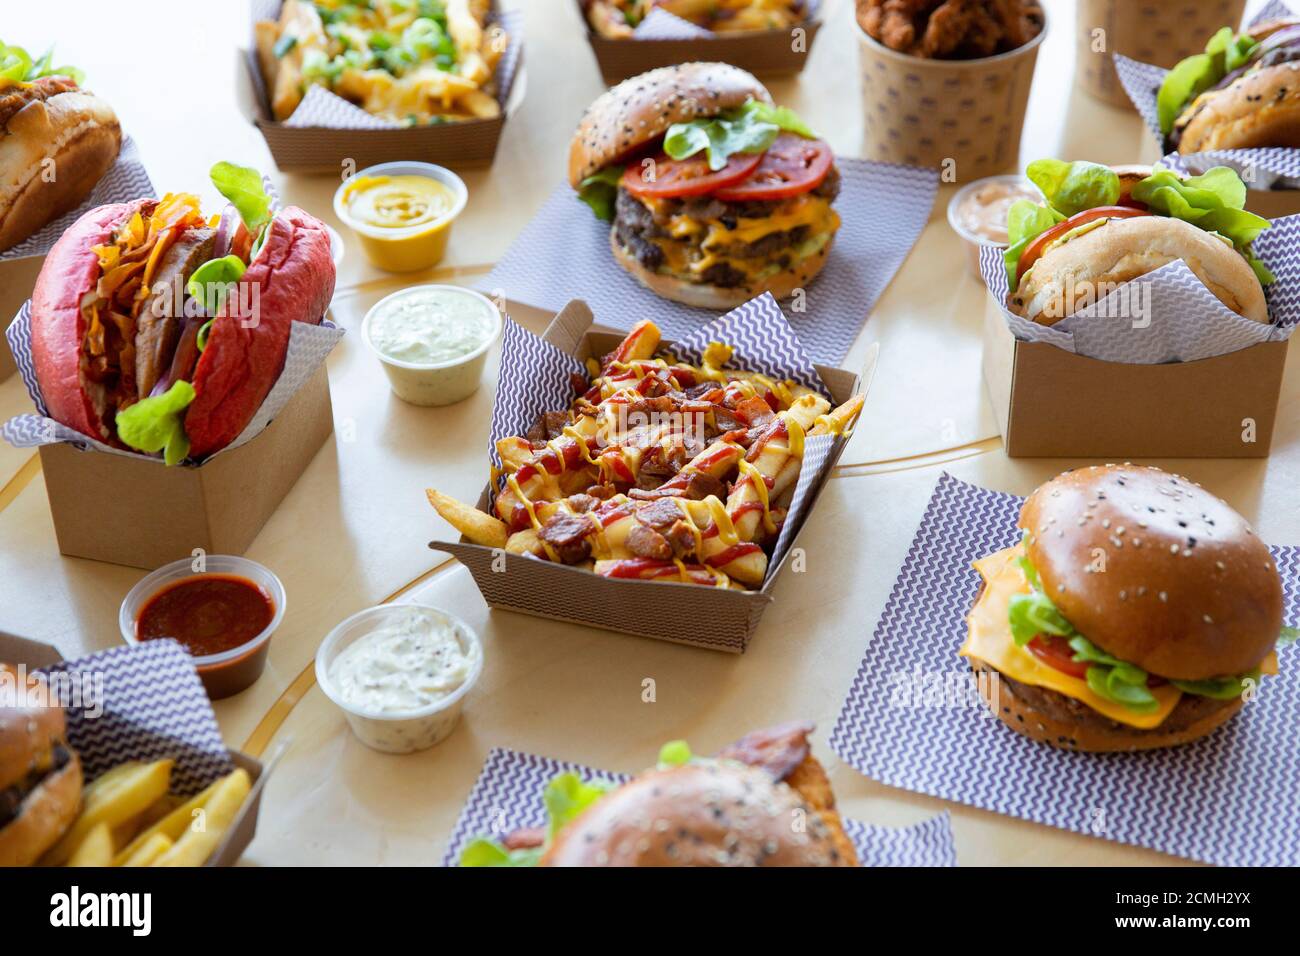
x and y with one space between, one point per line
158 329
1098 228
48 123
763 801
1138 611
40 775
715 194
1243 91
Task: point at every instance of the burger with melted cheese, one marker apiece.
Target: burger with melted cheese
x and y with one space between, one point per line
48 123
763 801
1137 612
1242 92
40 775
715 195
1098 228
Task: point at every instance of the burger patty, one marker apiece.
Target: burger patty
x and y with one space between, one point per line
635 227
12 797
1190 709
20 95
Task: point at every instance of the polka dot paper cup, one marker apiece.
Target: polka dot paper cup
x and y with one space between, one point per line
925 112
1149 31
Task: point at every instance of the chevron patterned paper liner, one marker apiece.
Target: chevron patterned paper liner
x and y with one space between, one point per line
508 796
309 346
882 208
1268 167
153 707
125 180
1184 321
1224 799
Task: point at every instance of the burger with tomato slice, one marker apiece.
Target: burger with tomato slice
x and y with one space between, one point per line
715 195
1099 227
1138 611
1240 93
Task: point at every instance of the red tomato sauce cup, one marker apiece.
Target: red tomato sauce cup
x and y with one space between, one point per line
221 608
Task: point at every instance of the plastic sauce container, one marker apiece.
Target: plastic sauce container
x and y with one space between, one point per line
402 212
978 211
197 597
433 341
373 682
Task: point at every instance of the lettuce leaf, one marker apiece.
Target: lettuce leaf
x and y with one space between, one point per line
213 280
243 186
1192 76
1074 187
751 128
600 190
155 424
566 797
1025 220
675 753
1219 688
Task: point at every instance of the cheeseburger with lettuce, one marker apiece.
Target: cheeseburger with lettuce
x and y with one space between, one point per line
1138 611
715 194
1098 228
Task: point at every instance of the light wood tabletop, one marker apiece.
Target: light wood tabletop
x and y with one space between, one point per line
354 530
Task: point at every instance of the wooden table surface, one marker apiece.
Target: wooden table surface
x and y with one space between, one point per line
353 531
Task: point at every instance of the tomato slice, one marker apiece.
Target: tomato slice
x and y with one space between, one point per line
1055 651
675 178
1035 249
791 166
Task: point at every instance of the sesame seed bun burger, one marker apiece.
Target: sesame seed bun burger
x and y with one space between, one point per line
763 801
1242 92
48 123
714 194
1098 228
40 775
1137 612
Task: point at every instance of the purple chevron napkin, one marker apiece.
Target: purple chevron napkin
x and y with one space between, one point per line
508 796
563 253
141 702
912 720
1268 167
1167 315
125 180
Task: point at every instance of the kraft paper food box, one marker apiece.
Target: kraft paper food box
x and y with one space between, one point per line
162 513
665 40
172 719
1186 379
326 130
682 613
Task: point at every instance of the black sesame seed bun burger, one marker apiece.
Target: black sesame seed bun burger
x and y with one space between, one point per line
714 194
1243 92
1138 611
40 775
763 801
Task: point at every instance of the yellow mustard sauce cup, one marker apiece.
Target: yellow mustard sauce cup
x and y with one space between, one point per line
402 248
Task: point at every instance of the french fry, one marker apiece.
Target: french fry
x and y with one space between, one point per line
96 849
479 527
206 833
170 826
147 852
114 798
841 420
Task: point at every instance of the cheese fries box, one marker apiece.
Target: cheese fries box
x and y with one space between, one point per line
714 618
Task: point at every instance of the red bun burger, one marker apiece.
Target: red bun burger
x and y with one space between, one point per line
40 775
1138 611
714 194
158 330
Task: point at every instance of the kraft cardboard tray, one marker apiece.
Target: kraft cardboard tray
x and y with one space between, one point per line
34 654
17 277
160 514
320 149
1052 403
721 620
766 52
